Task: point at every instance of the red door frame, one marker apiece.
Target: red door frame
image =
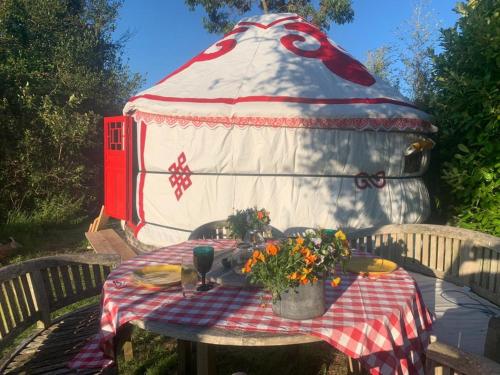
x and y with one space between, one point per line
118 167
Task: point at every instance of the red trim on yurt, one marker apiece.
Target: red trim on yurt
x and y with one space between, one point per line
142 179
273 99
385 124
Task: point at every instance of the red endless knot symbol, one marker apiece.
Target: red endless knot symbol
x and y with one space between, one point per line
180 176
363 180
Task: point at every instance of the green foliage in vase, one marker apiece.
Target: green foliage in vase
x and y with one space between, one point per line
466 103
61 71
246 220
221 15
298 261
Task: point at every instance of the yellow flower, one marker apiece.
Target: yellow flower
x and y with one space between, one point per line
336 282
305 272
294 276
340 235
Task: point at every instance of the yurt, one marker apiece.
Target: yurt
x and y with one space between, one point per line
273 115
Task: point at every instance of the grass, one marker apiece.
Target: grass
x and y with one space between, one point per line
40 241
154 354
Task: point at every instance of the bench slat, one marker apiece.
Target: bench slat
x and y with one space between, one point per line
87 278
497 287
5 323
455 263
486 271
21 299
68 287
441 253
56 283
48 287
77 278
97 276
13 307
433 252
425 260
30 299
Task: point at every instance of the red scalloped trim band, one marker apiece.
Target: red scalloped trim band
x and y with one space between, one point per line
384 124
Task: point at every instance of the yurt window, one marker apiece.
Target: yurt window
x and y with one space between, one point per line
115 136
413 162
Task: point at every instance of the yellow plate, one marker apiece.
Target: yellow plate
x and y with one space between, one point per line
371 266
158 276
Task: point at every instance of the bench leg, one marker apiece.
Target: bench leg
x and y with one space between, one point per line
205 359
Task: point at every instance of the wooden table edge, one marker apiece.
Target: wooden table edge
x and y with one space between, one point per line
220 336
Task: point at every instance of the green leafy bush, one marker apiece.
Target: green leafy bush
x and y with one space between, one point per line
467 108
61 71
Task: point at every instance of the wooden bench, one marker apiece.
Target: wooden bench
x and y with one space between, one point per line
461 256
31 291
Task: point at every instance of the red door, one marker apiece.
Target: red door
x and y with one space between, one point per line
118 167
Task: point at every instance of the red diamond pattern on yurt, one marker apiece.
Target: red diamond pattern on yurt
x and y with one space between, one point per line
180 178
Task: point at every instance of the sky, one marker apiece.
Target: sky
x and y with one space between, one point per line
165 34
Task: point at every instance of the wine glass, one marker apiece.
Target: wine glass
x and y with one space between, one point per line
203 257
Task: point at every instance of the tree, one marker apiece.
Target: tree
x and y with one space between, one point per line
467 109
380 62
221 15
417 38
60 73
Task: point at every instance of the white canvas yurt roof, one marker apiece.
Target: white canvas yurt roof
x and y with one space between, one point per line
277 70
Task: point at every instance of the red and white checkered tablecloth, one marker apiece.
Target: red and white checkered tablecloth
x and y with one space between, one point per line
383 321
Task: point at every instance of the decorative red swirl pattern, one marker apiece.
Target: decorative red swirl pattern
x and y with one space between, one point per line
226 45
334 59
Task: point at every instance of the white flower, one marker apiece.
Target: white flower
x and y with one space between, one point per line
320 260
309 232
316 241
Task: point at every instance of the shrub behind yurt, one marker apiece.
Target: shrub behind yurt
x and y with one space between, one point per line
276 115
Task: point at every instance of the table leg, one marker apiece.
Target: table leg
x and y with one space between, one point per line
205 359
185 363
354 367
123 341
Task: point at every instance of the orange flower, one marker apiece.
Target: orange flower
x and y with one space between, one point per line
310 259
248 266
260 215
272 249
305 252
257 255
304 281
314 279
300 241
294 276
336 282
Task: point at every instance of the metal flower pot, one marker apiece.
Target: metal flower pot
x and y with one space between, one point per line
305 302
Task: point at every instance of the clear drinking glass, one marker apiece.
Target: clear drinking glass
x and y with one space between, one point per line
189 276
